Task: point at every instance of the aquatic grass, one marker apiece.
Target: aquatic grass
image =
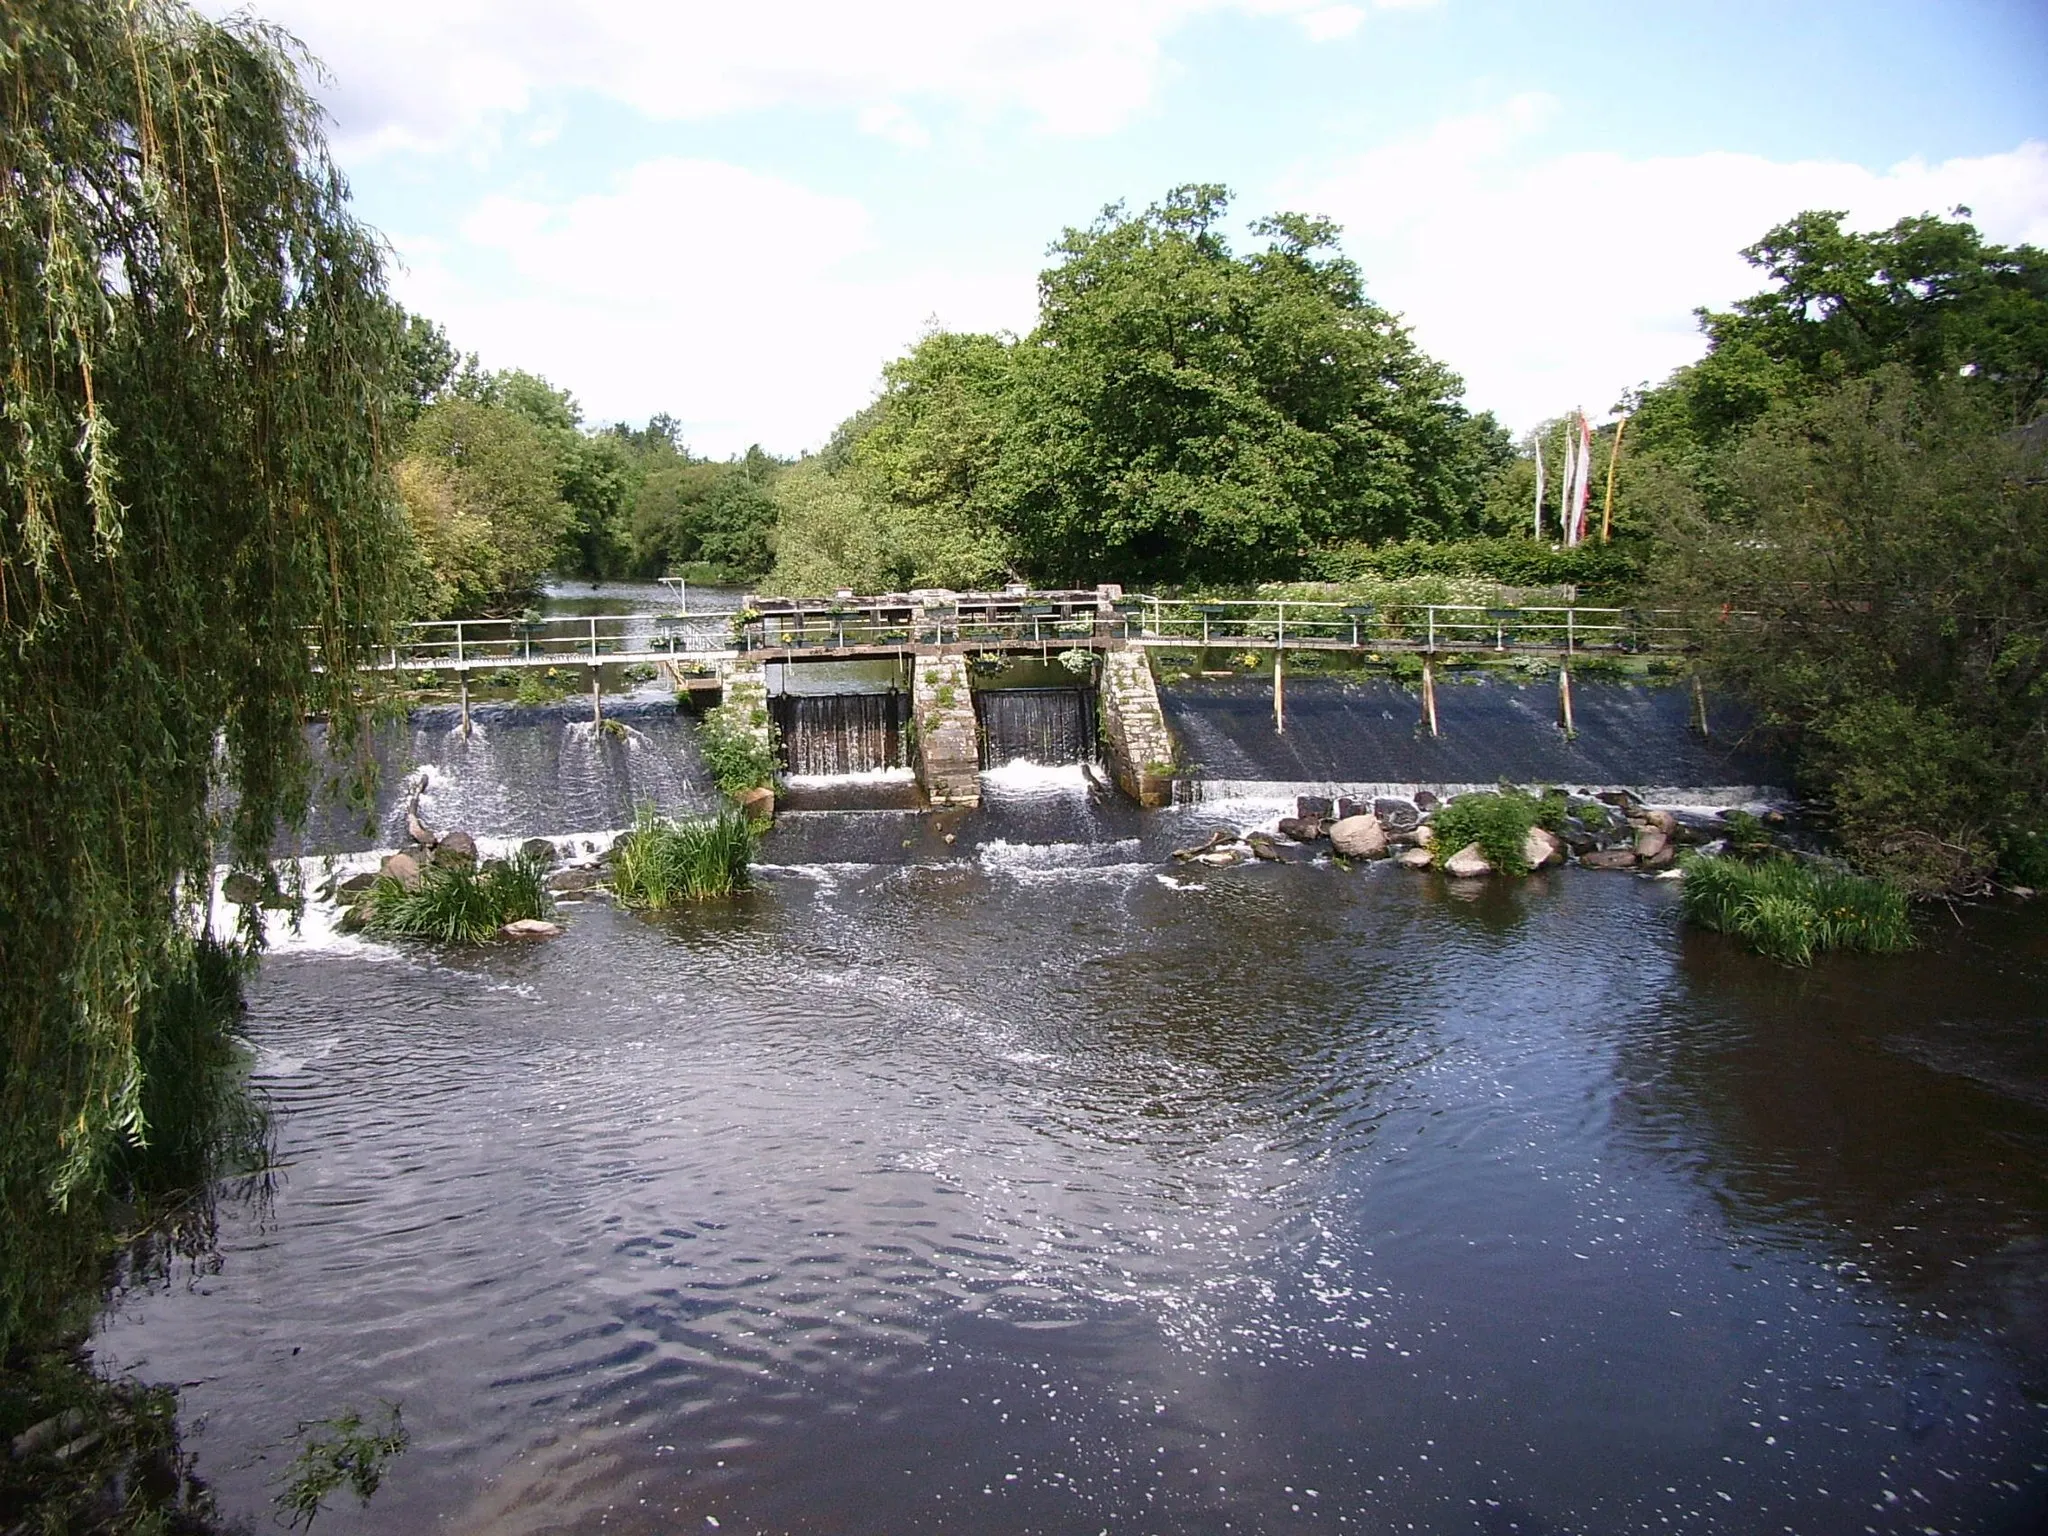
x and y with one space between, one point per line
1791 910
458 904
738 742
663 863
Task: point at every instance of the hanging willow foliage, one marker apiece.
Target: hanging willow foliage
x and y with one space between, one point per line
196 357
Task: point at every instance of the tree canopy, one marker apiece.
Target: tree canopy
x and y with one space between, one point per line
201 373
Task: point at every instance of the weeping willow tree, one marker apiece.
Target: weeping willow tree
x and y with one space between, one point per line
196 356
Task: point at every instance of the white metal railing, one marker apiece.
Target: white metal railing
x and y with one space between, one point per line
468 645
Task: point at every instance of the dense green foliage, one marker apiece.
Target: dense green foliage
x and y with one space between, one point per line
738 743
1179 414
200 368
1498 822
457 903
1612 569
661 863
1887 550
1791 910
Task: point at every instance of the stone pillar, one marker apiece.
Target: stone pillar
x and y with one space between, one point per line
948 740
743 694
1134 727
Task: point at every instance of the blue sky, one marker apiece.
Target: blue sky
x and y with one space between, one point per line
738 214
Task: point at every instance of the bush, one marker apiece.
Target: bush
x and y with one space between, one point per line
662 863
459 904
1609 568
738 743
1791 910
1498 822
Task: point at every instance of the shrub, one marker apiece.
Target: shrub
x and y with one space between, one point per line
458 905
1519 562
1498 822
738 743
1790 910
662 863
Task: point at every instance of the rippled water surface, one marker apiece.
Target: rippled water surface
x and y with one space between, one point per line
1029 1183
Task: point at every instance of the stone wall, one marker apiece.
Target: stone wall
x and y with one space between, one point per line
743 687
948 743
1141 752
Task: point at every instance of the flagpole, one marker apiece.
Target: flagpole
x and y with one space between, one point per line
1613 463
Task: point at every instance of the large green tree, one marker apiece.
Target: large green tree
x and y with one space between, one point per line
199 365
1928 295
482 484
1184 414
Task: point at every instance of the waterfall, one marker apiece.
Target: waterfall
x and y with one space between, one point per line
1041 725
837 733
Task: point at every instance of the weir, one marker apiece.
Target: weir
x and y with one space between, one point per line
1040 725
841 733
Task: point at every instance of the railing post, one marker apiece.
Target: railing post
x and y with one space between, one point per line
458 663
593 634
1431 645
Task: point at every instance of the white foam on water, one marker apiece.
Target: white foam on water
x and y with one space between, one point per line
1021 776
863 776
1000 853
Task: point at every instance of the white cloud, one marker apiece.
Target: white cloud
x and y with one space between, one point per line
732 299
1556 281
412 74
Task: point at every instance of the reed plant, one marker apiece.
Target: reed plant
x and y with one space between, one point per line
458 904
662 863
1792 910
1498 822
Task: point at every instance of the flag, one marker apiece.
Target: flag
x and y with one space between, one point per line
1539 487
1584 490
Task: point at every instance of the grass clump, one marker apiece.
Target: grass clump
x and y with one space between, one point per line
663 863
738 743
1792 911
458 904
1498 822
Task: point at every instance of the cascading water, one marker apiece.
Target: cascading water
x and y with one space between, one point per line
830 734
1040 725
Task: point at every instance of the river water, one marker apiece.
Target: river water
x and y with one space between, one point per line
1028 1182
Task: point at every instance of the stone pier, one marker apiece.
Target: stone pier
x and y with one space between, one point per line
1134 728
948 741
743 690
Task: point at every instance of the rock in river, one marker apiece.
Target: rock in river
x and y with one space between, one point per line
1359 837
403 868
531 928
1467 861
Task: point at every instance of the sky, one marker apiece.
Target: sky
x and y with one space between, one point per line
737 214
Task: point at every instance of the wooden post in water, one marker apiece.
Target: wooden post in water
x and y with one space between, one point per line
1279 697
464 676
1699 705
1429 693
1564 698
596 695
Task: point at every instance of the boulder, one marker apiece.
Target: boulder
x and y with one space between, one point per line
242 888
1220 857
1346 806
572 881
1663 821
1578 837
352 920
350 891
1426 802
1263 847
1415 858
1359 837
1651 841
530 928
403 868
1608 858
1396 815
1424 836
1541 848
456 850
1318 806
1467 862
758 804
1217 839
1659 859
1303 829
1617 797
539 848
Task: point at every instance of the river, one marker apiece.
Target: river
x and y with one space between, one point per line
1027 1182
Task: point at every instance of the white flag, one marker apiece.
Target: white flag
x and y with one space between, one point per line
1539 488
1585 487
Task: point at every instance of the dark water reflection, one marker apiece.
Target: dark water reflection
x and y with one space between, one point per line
1009 1185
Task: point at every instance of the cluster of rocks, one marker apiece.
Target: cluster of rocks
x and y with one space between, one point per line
1610 830
448 850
